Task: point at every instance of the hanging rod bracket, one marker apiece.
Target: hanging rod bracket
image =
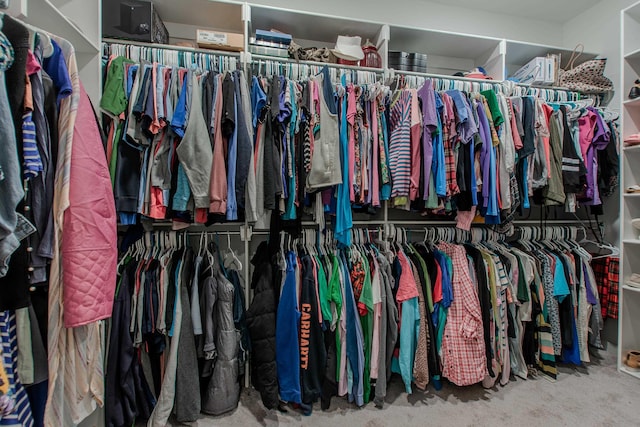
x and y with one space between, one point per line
246 232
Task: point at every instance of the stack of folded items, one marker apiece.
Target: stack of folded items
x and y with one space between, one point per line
632 140
634 280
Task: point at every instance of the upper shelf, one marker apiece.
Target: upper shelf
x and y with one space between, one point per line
202 13
310 29
448 52
633 11
440 43
520 53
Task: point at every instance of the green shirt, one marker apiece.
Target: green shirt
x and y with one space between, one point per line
323 291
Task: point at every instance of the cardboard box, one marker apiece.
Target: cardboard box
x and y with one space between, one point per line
133 20
220 40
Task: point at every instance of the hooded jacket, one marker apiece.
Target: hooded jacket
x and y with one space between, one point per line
261 322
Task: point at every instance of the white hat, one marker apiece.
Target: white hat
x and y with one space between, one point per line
348 48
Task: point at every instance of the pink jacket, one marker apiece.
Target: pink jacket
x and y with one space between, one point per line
89 234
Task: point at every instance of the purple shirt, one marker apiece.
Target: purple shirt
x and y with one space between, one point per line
430 125
485 153
601 138
591 298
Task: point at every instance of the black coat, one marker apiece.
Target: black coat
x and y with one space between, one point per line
261 322
127 393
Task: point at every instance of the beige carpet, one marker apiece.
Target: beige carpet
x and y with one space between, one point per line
594 396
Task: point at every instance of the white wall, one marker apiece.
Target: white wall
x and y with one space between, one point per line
426 14
598 28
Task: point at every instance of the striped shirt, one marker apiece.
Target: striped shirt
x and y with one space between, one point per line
20 414
400 145
32 160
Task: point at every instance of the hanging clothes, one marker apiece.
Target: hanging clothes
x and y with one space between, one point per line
173 364
472 313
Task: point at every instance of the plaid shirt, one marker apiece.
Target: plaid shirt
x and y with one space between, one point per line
465 362
450 165
606 272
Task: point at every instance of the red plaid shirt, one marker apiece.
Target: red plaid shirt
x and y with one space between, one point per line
463 352
606 272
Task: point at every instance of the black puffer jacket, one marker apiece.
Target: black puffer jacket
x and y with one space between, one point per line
261 322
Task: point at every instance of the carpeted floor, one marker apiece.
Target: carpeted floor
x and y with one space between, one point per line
594 396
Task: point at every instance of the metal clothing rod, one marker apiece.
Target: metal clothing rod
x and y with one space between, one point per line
447 222
555 91
174 55
255 59
444 77
170 47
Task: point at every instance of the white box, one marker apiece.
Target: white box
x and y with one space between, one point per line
532 73
550 71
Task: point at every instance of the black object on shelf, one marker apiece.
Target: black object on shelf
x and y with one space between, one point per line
133 20
408 61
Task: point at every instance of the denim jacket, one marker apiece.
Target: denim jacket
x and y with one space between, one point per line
11 191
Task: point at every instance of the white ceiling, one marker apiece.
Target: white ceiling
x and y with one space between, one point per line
545 10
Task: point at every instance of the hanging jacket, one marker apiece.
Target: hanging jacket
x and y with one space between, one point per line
127 393
89 238
221 340
313 353
573 168
187 405
261 321
287 336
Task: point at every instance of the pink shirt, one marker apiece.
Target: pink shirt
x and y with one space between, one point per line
586 126
375 184
351 119
407 287
416 134
517 141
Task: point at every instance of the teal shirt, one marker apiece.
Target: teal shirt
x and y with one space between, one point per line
409 331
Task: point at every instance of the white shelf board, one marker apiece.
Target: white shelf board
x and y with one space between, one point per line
632 103
631 148
312 27
633 11
45 15
632 56
631 195
630 288
520 53
626 370
440 43
202 13
631 241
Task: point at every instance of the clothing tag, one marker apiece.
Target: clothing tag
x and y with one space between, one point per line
24 228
